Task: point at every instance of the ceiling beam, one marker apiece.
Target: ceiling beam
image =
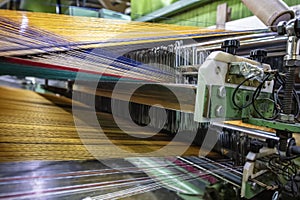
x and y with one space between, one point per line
176 7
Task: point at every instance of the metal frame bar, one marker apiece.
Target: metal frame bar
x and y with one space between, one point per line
176 7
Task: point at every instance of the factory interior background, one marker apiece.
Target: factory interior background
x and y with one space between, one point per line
150 99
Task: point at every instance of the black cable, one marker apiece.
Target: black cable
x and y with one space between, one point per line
276 100
285 168
277 96
235 91
279 80
256 95
277 104
294 192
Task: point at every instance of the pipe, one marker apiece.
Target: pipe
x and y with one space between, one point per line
270 12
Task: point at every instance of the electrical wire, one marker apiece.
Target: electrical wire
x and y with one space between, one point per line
256 95
236 90
286 169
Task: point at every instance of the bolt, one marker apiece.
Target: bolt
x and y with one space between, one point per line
253 186
288 91
222 92
220 111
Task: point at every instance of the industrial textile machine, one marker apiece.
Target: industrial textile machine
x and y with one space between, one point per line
254 112
240 88
248 108
264 99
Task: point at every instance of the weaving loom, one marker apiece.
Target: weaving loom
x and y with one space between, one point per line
40 127
147 101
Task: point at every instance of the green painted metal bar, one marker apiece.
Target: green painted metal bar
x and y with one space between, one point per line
176 7
295 128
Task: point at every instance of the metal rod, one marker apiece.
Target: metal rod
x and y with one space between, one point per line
250 132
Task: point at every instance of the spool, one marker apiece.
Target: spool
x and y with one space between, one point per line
270 12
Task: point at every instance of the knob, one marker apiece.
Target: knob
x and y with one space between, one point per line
230 46
258 55
255 146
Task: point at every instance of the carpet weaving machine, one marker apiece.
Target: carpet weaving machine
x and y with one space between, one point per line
171 112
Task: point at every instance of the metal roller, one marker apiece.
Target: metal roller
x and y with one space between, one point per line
270 12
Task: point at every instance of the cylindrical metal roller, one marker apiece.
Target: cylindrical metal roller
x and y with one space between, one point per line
270 12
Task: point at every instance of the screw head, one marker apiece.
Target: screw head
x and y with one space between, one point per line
220 112
222 92
253 186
